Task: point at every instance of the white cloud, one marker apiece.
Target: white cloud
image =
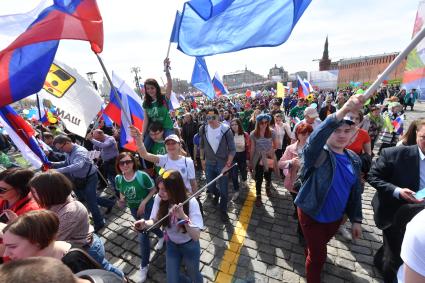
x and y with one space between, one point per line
137 34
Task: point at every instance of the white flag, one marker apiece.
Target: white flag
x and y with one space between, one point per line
75 98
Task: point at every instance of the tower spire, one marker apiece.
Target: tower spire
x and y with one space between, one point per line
325 51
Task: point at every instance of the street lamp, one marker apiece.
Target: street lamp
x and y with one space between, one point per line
91 80
137 78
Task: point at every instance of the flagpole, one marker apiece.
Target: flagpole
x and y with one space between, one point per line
415 41
166 67
39 115
194 195
126 116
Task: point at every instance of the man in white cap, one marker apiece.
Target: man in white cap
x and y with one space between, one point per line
310 117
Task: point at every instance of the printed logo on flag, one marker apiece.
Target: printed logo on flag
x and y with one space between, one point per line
58 81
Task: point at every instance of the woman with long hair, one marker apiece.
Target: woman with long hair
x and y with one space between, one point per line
242 143
183 227
283 134
136 190
262 155
155 106
52 191
409 137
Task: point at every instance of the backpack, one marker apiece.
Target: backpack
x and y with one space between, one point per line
78 260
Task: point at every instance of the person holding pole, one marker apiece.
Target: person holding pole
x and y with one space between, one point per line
182 227
330 190
155 106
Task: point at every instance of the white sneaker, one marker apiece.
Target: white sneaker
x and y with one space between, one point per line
235 196
144 273
344 233
160 244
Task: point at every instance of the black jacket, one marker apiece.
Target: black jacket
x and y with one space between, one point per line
395 167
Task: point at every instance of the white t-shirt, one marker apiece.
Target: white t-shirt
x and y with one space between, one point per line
239 142
214 137
184 165
413 247
173 232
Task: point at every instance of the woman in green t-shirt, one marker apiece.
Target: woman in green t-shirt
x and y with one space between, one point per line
155 106
136 190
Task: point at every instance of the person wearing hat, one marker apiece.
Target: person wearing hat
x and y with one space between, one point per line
262 155
330 186
310 117
173 159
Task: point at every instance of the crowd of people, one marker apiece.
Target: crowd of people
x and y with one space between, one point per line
319 148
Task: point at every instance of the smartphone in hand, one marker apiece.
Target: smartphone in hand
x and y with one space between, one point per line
420 194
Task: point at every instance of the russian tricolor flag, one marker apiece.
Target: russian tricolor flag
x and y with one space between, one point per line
303 90
25 62
23 135
133 106
398 125
218 85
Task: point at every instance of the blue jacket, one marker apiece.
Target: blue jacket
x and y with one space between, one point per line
312 194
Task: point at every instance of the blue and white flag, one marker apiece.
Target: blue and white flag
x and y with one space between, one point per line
201 78
209 27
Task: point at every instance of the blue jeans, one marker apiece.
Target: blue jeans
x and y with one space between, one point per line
89 196
240 158
97 252
145 247
148 142
212 171
190 253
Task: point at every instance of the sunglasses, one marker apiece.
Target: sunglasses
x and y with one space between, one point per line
126 162
4 190
211 117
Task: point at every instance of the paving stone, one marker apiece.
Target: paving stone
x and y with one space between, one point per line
206 257
328 278
346 255
208 272
290 277
259 266
345 263
275 272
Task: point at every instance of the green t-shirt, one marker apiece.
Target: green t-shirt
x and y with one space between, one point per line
158 148
136 189
245 116
298 111
159 113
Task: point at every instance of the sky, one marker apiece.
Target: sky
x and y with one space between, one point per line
136 34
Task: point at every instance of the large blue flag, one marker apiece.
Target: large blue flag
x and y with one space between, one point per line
209 27
176 26
201 78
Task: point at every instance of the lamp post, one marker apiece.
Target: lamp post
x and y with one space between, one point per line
91 80
137 78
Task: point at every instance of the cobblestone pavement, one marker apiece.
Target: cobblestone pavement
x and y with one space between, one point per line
258 245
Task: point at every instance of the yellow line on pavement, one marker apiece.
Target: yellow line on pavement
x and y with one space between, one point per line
231 255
